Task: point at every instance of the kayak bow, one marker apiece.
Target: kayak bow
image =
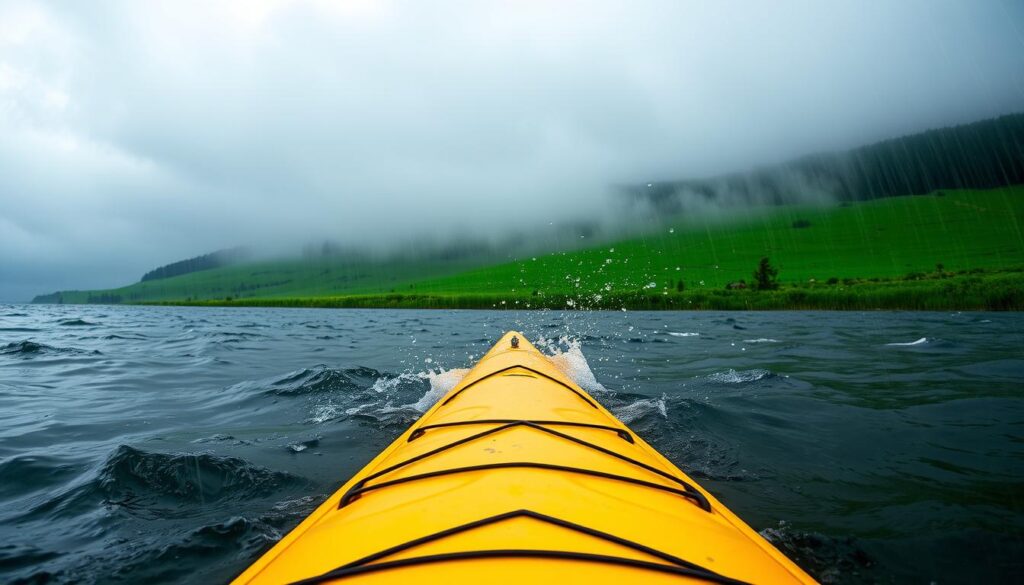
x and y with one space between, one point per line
517 475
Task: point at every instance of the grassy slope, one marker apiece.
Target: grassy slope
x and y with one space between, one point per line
275 279
886 238
883 238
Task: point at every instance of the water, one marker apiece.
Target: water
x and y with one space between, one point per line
176 444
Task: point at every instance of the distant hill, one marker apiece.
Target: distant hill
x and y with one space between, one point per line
893 237
981 155
216 259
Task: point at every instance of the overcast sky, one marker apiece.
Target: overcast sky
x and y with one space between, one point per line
133 134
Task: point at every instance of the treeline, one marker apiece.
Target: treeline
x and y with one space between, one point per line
56 298
981 155
205 262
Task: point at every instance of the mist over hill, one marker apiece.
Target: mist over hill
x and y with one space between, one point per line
980 155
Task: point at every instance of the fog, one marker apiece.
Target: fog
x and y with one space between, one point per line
135 134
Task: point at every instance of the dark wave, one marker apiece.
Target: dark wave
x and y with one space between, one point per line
177 562
375 399
321 379
829 560
673 425
18 556
76 323
25 347
236 335
213 553
130 474
29 348
147 483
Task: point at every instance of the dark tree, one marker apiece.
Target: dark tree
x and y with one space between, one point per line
204 262
766 276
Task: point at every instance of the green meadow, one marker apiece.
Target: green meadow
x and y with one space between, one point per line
946 250
883 238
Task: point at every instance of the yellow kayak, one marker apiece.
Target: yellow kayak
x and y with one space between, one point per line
517 475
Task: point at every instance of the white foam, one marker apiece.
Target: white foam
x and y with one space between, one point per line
921 341
761 340
734 377
571 362
441 382
683 334
636 410
385 384
565 353
325 412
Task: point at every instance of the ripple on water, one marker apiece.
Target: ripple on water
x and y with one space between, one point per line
31 473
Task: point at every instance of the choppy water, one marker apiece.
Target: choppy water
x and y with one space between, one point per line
177 444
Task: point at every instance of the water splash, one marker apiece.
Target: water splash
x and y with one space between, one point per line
567 355
638 409
441 382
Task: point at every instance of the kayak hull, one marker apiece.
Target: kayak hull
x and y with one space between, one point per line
519 475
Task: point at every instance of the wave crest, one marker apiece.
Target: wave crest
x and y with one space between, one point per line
28 348
567 355
638 409
131 475
321 379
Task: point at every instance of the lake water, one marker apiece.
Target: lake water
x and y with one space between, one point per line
163 444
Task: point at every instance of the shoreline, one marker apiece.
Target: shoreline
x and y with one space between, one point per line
968 291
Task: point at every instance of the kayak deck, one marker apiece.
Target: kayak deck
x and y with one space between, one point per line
518 475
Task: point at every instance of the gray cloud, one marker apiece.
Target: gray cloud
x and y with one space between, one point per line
134 134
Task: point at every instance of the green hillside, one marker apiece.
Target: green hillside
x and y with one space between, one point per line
882 240
893 237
